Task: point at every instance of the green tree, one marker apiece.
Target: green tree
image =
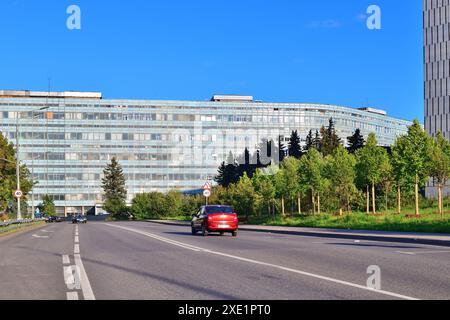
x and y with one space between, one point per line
387 179
330 140
317 141
369 166
47 206
8 182
355 141
414 153
245 200
309 142
440 166
115 193
174 201
294 147
340 170
265 188
286 183
399 168
311 173
228 172
153 205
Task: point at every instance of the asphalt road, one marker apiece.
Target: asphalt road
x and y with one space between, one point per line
134 260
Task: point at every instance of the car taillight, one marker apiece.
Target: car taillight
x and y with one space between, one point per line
235 219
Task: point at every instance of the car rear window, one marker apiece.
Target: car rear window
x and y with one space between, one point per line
217 209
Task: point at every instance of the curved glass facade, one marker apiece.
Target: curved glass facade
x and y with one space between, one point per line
161 145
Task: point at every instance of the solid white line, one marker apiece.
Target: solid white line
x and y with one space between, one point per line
407 253
85 284
65 259
173 242
77 239
76 249
194 248
72 296
422 252
39 237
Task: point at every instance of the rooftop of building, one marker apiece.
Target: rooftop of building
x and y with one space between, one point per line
226 98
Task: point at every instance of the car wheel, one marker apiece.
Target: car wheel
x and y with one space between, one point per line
193 231
234 233
204 231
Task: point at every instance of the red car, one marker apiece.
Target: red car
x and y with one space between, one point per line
211 218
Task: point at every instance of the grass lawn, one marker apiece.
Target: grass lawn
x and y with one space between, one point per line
428 222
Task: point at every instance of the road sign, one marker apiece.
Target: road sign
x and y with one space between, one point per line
18 194
207 193
207 186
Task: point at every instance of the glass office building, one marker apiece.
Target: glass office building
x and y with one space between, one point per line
436 25
437 66
67 138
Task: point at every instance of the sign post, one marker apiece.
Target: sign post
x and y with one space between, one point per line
18 194
207 191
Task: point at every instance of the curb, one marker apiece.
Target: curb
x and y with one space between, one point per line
19 231
368 237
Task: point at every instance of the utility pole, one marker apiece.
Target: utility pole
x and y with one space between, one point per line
19 213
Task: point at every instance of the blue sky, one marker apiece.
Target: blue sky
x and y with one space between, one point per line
279 50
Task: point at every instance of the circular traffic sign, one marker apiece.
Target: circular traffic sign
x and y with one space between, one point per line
207 193
18 194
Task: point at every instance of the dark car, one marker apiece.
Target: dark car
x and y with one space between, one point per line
50 219
79 219
221 219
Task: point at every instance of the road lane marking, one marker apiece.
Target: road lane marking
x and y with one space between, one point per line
76 249
39 237
77 239
72 296
46 231
65 259
86 288
407 253
173 242
308 274
422 252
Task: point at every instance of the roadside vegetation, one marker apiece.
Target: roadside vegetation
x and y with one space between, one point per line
324 184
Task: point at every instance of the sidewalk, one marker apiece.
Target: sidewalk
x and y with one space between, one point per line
402 237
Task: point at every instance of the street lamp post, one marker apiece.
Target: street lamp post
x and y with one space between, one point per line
19 213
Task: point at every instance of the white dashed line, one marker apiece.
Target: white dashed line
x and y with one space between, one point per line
39 237
72 296
65 259
422 252
77 239
312 275
76 249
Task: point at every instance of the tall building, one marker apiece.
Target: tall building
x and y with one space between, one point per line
437 66
67 138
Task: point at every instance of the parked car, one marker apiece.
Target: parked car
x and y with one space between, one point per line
79 219
50 219
221 219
